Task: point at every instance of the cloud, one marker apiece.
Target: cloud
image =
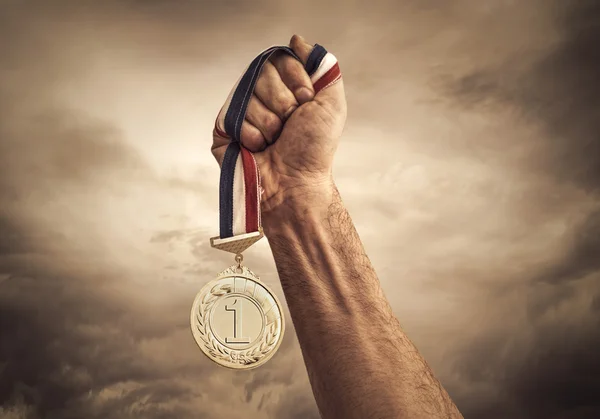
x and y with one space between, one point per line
553 87
541 367
580 256
476 127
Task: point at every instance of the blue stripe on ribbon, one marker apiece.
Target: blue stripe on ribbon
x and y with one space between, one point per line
226 189
314 59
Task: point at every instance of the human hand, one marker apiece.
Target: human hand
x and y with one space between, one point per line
293 132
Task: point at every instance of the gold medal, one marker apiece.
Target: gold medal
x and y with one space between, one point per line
236 320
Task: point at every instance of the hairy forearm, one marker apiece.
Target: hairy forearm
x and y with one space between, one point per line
360 362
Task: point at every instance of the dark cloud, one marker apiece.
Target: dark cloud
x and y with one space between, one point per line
282 374
298 406
58 340
555 379
569 105
558 378
66 342
559 90
545 368
581 255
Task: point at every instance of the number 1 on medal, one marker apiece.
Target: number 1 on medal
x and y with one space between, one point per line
237 323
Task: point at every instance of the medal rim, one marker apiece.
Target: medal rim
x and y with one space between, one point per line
248 275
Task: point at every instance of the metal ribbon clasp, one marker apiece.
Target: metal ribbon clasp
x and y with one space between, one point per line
237 244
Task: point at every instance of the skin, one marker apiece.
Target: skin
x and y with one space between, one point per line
360 362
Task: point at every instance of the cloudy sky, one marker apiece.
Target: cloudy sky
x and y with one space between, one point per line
477 195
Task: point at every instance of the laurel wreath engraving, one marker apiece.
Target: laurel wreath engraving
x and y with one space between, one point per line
219 351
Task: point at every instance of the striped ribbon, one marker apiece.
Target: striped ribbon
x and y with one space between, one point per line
239 189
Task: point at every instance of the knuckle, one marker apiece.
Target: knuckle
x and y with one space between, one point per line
285 103
272 125
281 99
253 140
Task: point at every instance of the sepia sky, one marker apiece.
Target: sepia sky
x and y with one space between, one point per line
470 165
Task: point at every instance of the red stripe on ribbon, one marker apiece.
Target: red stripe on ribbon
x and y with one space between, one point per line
251 186
332 75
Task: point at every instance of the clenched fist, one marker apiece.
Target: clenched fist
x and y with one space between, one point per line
292 131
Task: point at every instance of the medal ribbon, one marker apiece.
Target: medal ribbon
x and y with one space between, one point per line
239 188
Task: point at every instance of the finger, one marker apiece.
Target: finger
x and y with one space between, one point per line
294 76
252 138
273 92
301 48
330 96
262 118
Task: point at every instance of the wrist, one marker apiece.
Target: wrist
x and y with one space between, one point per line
297 204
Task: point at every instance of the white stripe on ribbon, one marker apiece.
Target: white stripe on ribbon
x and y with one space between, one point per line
239 198
326 64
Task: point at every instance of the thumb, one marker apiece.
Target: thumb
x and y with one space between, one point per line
330 88
301 48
